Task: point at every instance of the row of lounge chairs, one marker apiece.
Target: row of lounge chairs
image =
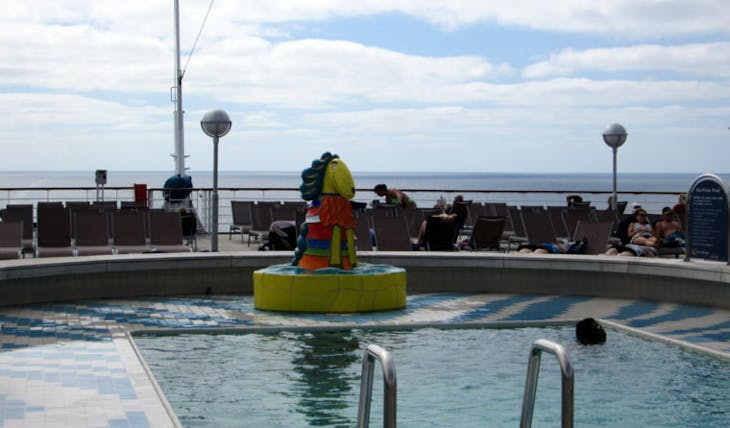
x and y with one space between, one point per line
477 226
253 219
88 230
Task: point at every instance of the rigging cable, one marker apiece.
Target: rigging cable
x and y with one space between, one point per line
210 6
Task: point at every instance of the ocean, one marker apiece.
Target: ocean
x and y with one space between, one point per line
425 188
627 182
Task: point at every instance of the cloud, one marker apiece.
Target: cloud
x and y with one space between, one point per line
314 73
93 78
82 58
711 59
617 18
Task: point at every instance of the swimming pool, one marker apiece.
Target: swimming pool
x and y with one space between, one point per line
455 377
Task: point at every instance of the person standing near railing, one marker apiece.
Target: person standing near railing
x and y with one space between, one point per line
394 196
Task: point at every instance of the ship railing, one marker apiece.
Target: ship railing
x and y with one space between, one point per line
201 198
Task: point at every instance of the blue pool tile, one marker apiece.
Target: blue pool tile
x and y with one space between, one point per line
677 314
716 326
119 423
723 336
492 307
548 309
138 420
635 309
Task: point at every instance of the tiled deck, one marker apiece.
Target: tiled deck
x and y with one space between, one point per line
71 364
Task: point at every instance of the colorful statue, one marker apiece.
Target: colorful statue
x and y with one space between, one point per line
327 237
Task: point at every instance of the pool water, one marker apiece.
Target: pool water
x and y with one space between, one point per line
446 378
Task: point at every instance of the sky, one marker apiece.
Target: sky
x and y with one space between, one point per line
389 85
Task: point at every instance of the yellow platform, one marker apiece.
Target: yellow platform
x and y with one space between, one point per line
366 288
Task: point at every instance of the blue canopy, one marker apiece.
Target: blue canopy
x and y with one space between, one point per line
182 182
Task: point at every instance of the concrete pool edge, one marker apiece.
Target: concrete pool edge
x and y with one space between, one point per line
79 278
150 377
667 340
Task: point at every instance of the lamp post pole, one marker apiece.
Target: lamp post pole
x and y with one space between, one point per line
214 236
613 199
614 136
215 123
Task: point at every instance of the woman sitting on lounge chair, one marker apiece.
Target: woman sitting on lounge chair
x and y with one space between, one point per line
442 214
640 236
640 230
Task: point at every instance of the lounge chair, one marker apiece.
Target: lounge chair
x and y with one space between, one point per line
538 228
129 231
91 232
500 209
558 220
73 207
54 231
11 240
261 220
105 205
414 219
166 232
607 215
44 204
518 234
189 223
363 237
242 218
440 234
476 210
572 215
487 233
22 213
595 235
77 204
391 234
283 213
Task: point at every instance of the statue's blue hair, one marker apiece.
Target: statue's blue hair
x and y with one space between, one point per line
313 177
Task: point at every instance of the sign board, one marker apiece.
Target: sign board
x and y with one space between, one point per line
707 219
100 176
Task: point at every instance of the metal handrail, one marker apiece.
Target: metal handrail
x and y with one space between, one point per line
202 197
373 352
533 371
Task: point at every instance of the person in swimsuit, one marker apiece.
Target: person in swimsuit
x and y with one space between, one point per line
669 229
394 196
640 231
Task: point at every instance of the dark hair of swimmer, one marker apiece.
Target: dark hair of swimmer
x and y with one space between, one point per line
589 332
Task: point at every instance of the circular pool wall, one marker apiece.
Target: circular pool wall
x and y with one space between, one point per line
78 278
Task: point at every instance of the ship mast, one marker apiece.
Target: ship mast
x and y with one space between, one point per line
179 154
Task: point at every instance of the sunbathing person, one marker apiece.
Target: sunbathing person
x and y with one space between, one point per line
442 214
546 248
640 230
394 196
669 229
633 244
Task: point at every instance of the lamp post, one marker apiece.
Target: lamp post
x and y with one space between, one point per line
614 136
215 123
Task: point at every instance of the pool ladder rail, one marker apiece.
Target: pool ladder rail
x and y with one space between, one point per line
372 353
533 371
375 352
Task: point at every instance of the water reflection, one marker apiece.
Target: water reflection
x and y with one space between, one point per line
324 377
